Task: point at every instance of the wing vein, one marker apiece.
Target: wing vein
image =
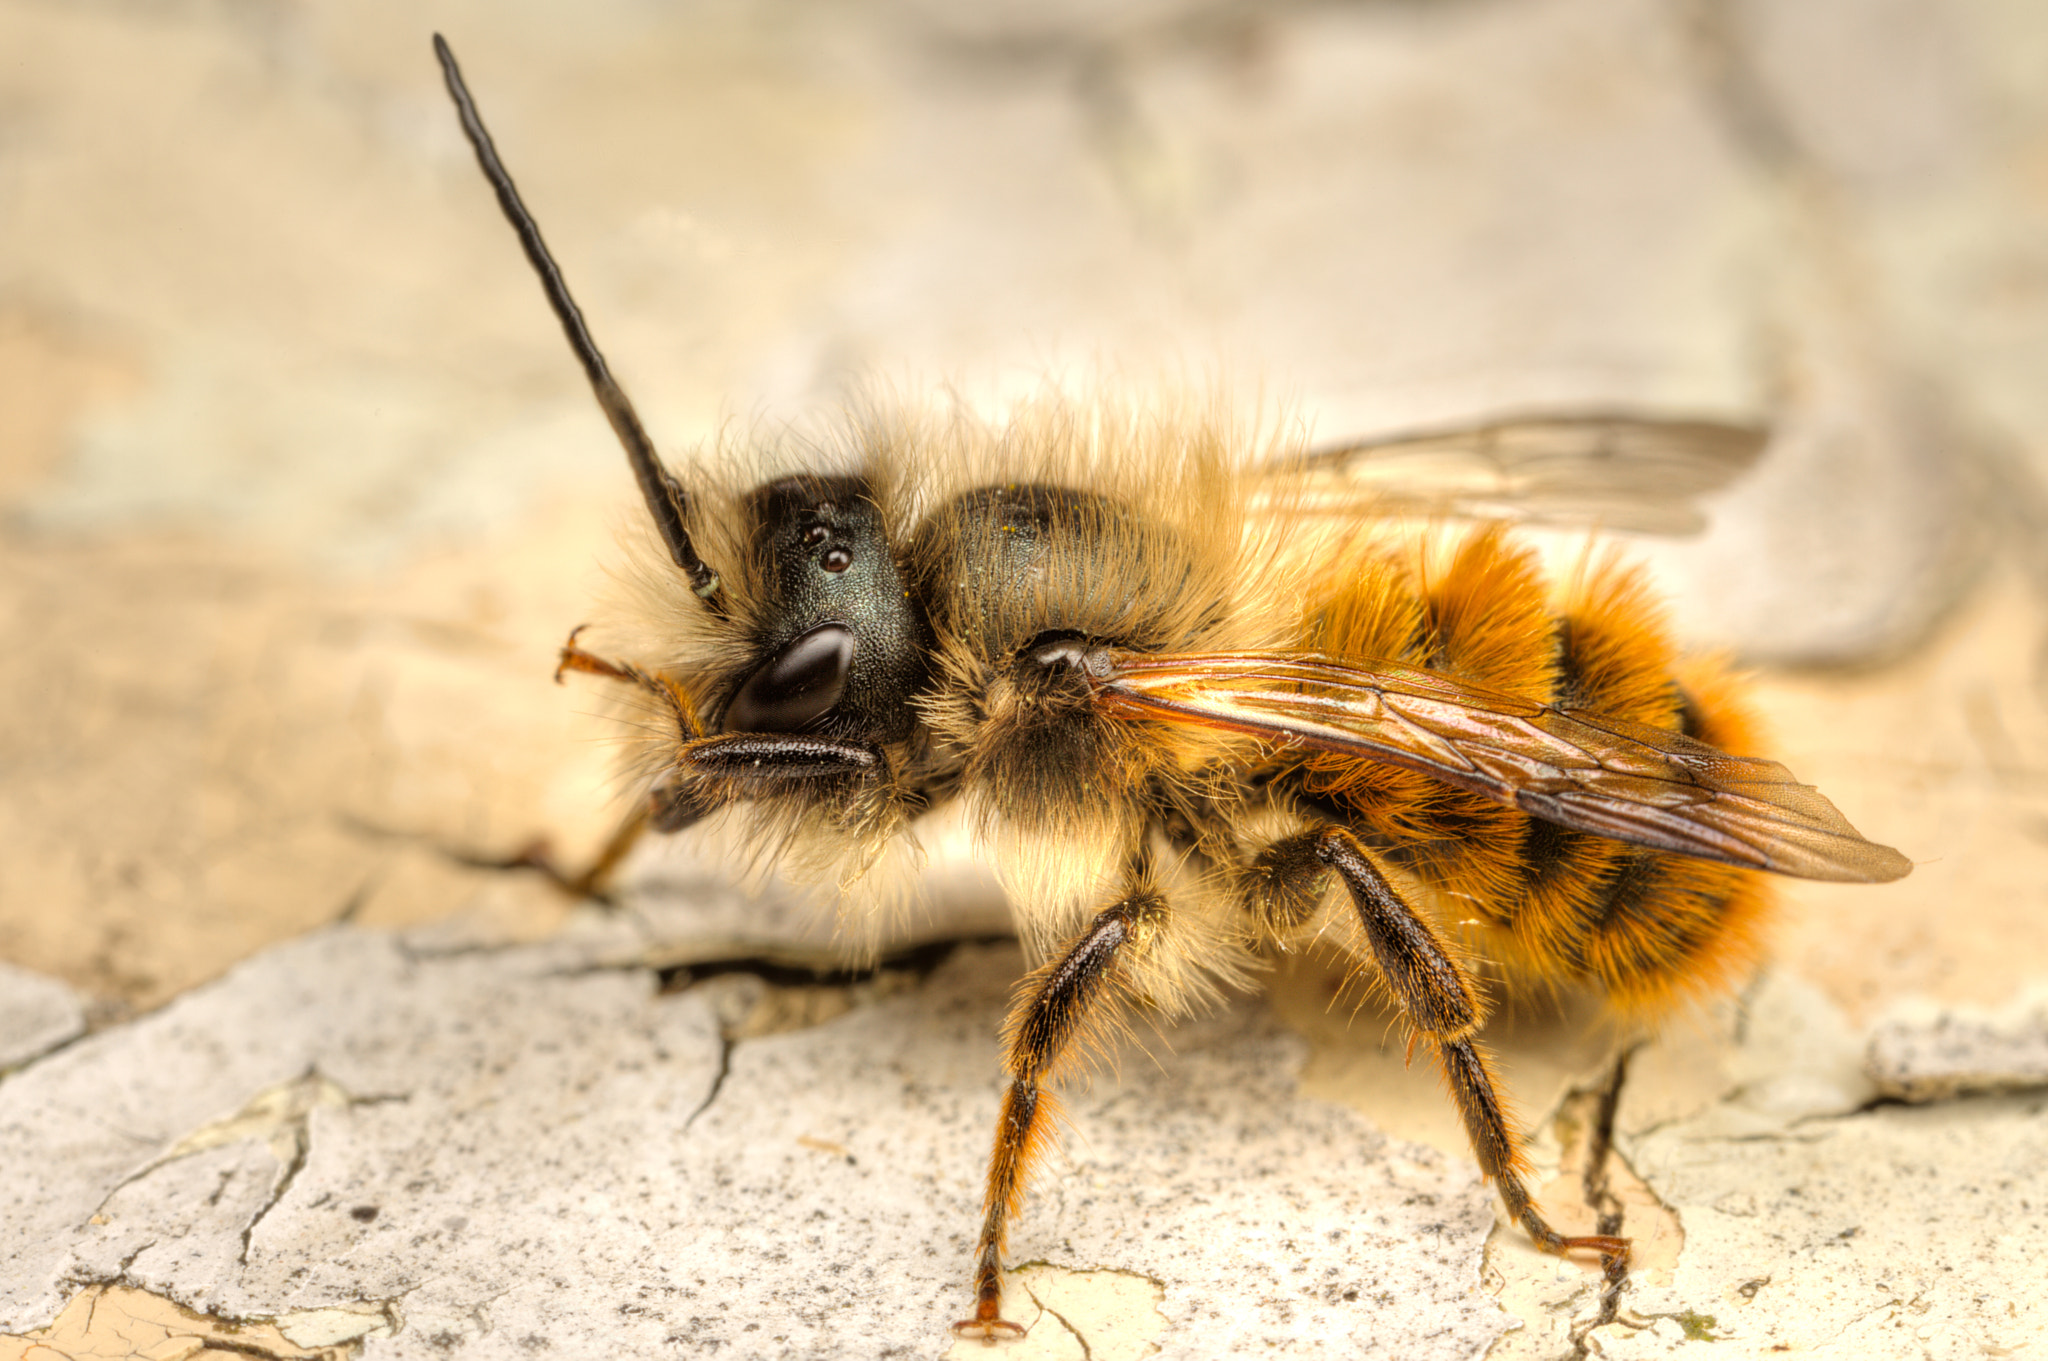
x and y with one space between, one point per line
1649 786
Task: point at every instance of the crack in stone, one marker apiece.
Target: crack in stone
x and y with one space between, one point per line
389 1315
1774 1136
480 1315
87 1282
1087 1352
414 953
147 1169
84 1032
1597 1188
1872 1312
228 1344
302 1147
141 1322
281 1117
921 959
726 1045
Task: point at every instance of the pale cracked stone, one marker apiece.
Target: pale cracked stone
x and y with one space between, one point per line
1812 1217
1930 1053
495 1151
1777 1204
1895 1232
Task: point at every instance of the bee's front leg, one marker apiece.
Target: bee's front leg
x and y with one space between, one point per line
664 809
708 771
1059 1007
594 880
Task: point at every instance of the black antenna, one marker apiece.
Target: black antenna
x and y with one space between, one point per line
665 498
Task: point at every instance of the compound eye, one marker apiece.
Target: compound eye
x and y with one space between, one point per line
795 689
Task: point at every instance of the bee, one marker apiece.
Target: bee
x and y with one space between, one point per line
1198 707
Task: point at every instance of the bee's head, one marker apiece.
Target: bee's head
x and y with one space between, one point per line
817 633
841 643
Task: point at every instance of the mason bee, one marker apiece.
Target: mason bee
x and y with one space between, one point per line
1203 697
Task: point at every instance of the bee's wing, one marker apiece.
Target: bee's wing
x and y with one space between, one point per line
1598 774
1615 471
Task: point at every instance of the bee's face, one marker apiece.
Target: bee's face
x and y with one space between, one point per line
843 643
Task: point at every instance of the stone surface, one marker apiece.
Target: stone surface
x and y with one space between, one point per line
1894 1232
415 1153
1812 1217
1934 1053
36 1015
514 1148
119 1323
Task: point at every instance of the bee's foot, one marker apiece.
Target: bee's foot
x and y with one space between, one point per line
1607 1246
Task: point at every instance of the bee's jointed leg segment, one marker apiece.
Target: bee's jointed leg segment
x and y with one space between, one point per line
1067 1000
598 873
671 806
594 879
734 759
1285 881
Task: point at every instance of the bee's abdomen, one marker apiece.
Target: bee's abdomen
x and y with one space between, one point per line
1554 903
1649 927
1670 927
1483 617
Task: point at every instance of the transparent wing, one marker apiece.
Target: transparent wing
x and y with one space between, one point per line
1612 470
1598 774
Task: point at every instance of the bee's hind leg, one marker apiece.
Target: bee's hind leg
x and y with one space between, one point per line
1283 885
1060 1006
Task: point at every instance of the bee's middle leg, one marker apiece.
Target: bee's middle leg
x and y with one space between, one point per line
1284 884
1059 1007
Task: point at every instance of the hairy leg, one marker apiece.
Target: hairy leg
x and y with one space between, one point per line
1283 885
738 761
1060 1008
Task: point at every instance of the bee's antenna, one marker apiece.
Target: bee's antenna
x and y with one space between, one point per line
665 497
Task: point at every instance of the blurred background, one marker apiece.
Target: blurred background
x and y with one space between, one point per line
300 489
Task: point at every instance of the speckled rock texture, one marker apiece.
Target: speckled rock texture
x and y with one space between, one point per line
513 1149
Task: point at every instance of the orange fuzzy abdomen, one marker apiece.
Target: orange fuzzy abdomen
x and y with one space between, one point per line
1550 904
